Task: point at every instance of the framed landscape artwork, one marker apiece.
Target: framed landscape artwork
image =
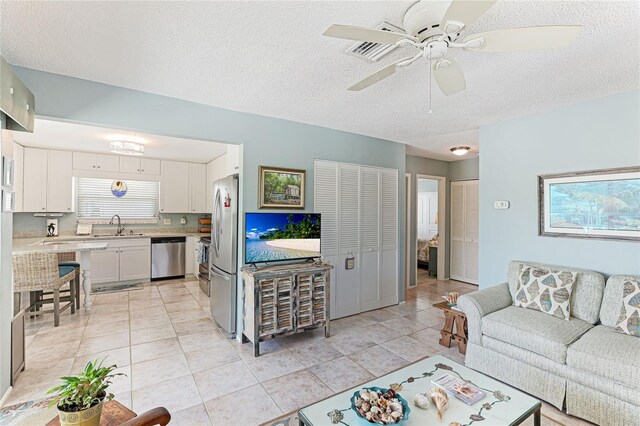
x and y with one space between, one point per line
280 188
594 204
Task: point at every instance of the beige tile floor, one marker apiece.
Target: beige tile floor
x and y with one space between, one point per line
174 356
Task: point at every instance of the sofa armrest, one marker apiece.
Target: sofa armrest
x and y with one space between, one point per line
481 303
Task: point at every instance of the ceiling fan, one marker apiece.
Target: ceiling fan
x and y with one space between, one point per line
433 27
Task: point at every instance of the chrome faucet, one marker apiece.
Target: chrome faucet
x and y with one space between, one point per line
119 230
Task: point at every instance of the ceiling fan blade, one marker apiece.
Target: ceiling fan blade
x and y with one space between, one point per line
448 76
464 12
527 38
385 72
350 32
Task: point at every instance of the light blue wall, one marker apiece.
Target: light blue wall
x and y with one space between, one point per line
468 169
597 134
266 141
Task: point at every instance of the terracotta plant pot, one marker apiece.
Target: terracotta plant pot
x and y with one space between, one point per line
88 417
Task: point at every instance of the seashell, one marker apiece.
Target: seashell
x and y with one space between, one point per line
421 400
375 410
368 416
396 415
358 402
364 394
455 424
395 406
373 395
440 399
365 406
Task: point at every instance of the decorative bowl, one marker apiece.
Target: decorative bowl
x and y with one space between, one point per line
405 406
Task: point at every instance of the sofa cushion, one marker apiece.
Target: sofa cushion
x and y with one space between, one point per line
613 295
543 334
629 319
607 354
545 290
586 296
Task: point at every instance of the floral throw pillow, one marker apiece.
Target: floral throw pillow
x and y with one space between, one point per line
629 319
545 290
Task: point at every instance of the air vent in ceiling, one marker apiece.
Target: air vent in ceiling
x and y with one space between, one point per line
372 52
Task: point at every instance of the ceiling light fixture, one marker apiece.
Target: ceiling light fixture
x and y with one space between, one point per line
126 148
460 150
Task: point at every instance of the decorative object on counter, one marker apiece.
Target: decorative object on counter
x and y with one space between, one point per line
119 188
380 406
204 224
453 316
591 204
281 188
80 397
285 299
436 394
452 298
52 227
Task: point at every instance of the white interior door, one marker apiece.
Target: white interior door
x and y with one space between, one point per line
370 238
348 297
427 214
464 231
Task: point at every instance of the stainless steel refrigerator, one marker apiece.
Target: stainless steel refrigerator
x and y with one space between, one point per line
223 253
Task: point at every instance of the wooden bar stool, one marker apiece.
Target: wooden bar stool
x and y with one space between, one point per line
39 272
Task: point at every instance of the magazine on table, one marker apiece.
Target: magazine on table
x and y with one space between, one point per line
454 386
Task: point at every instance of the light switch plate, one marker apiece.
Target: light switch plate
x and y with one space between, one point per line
501 205
167 221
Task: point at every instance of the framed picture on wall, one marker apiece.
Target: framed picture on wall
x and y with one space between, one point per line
280 188
592 204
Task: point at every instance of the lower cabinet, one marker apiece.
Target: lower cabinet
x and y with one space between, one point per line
287 299
123 260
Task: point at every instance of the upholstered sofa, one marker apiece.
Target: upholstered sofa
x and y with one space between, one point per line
581 364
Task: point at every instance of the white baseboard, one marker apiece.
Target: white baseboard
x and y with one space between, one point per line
5 396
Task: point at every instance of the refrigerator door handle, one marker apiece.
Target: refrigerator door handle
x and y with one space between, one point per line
216 223
217 274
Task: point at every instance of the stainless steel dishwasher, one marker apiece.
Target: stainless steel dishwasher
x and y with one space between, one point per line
167 258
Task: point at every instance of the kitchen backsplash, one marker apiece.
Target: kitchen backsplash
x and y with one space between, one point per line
25 225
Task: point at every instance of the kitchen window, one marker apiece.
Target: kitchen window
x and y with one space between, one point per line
134 201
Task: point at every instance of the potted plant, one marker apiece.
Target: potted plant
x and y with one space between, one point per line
80 398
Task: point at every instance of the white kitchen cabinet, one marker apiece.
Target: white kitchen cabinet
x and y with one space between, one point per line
135 263
105 265
18 176
107 163
35 180
123 260
129 164
197 188
96 162
174 187
189 257
195 250
233 160
60 181
84 161
150 166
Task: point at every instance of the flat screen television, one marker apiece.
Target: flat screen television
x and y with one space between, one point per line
275 237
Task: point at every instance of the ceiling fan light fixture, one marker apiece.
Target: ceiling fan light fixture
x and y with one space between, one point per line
460 150
126 148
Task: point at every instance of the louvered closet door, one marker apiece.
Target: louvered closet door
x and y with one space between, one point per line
348 288
464 231
472 233
457 260
326 203
389 237
370 238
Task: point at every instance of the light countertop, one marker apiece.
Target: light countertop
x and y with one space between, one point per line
60 247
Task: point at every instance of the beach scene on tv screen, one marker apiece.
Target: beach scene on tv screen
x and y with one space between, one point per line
271 237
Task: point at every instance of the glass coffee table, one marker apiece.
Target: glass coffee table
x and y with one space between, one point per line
503 405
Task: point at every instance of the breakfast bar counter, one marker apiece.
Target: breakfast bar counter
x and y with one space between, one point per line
84 248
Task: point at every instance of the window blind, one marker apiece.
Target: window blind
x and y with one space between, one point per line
96 201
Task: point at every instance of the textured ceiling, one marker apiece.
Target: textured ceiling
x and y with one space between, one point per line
77 137
269 58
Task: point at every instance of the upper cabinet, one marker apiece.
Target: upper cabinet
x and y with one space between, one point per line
198 188
233 160
130 164
137 165
96 162
18 178
174 187
47 181
149 166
